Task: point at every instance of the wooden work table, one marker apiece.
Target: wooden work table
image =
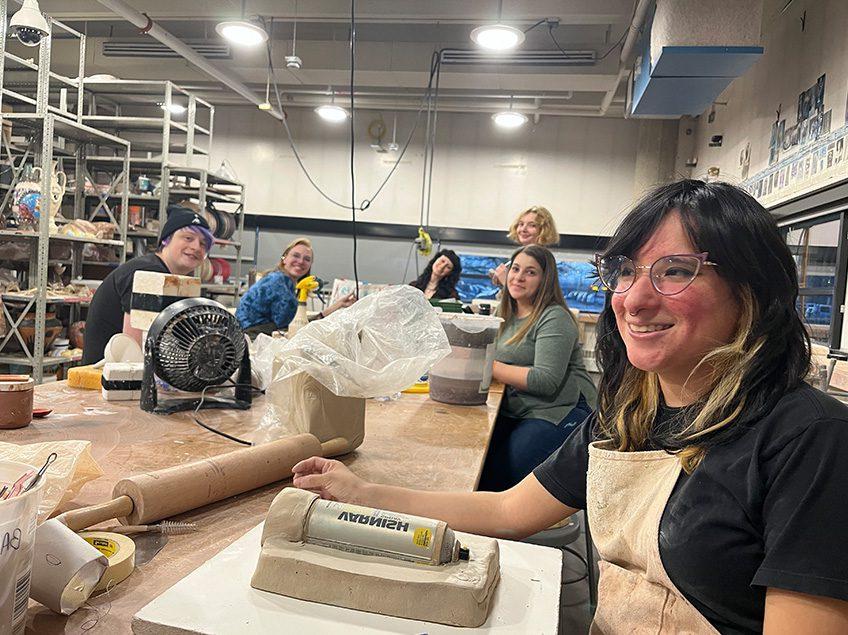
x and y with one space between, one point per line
413 442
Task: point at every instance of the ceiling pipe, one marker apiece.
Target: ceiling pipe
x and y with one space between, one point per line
140 20
639 14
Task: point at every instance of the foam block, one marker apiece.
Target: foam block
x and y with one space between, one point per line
153 291
121 381
86 377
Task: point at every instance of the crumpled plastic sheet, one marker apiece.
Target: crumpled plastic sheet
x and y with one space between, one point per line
74 467
378 346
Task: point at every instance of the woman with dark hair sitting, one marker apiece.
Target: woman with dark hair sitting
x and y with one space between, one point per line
713 476
438 281
540 361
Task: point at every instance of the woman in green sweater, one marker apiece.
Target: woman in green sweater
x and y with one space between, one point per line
538 357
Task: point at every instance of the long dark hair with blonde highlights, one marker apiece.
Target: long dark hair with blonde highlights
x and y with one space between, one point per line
770 352
549 292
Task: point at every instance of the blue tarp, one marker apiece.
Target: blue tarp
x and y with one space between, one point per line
578 281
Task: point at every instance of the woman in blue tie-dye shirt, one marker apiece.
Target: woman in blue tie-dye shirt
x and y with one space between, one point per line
271 303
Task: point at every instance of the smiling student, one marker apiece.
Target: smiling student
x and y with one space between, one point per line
534 226
439 278
184 244
271 303
539 359
713 476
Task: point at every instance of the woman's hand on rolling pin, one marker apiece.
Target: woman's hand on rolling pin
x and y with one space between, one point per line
343 303
329 479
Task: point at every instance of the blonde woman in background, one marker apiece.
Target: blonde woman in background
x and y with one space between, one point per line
533 226
271 303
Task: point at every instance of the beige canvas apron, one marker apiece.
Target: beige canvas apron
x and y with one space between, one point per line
626 493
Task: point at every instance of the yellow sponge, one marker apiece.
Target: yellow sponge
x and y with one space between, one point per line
86 377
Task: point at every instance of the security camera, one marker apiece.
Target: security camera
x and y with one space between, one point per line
28 24
293 61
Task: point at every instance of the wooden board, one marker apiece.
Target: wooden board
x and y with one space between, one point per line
412 442
218 598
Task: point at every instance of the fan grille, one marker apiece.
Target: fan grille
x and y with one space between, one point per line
199 347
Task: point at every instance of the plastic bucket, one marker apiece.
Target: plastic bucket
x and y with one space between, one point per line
17 538
463 377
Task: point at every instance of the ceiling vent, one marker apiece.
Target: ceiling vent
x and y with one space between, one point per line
150 48
520 58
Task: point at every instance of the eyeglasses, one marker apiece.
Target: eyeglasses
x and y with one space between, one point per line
669 275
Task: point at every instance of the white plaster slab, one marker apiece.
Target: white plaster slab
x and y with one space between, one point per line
217 599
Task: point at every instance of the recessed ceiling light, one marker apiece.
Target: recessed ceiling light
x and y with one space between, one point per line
174 108
509 119
332 113
497 37
242 32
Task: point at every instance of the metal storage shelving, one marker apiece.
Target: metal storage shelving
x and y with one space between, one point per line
50 130
177 156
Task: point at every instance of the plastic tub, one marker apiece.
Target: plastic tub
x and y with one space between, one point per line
463 377
17 537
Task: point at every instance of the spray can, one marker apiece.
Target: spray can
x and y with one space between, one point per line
375 532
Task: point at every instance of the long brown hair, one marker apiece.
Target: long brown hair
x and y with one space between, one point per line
549 292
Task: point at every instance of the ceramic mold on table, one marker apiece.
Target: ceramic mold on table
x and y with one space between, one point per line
217 598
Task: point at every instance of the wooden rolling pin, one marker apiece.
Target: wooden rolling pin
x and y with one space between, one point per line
145 498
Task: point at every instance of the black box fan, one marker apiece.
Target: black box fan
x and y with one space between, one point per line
194 344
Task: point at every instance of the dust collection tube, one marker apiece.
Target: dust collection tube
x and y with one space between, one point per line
374 532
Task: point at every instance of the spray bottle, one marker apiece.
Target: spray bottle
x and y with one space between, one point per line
375 532
303 287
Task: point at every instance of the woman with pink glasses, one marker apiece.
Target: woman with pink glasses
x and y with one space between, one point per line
713 476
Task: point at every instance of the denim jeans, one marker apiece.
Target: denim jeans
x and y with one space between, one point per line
519 445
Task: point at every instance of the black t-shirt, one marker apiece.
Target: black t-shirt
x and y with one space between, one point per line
766 509
110 302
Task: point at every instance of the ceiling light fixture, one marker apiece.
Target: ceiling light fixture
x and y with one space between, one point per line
497 37
509 119
242 32
293 61
332 113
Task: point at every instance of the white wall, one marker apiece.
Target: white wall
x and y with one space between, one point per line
583 169
792 61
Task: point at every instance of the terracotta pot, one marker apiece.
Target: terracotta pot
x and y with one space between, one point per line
76 333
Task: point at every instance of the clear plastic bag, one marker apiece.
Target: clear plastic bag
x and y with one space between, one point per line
378 346
64 478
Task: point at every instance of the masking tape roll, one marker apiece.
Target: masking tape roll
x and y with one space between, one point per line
119 550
